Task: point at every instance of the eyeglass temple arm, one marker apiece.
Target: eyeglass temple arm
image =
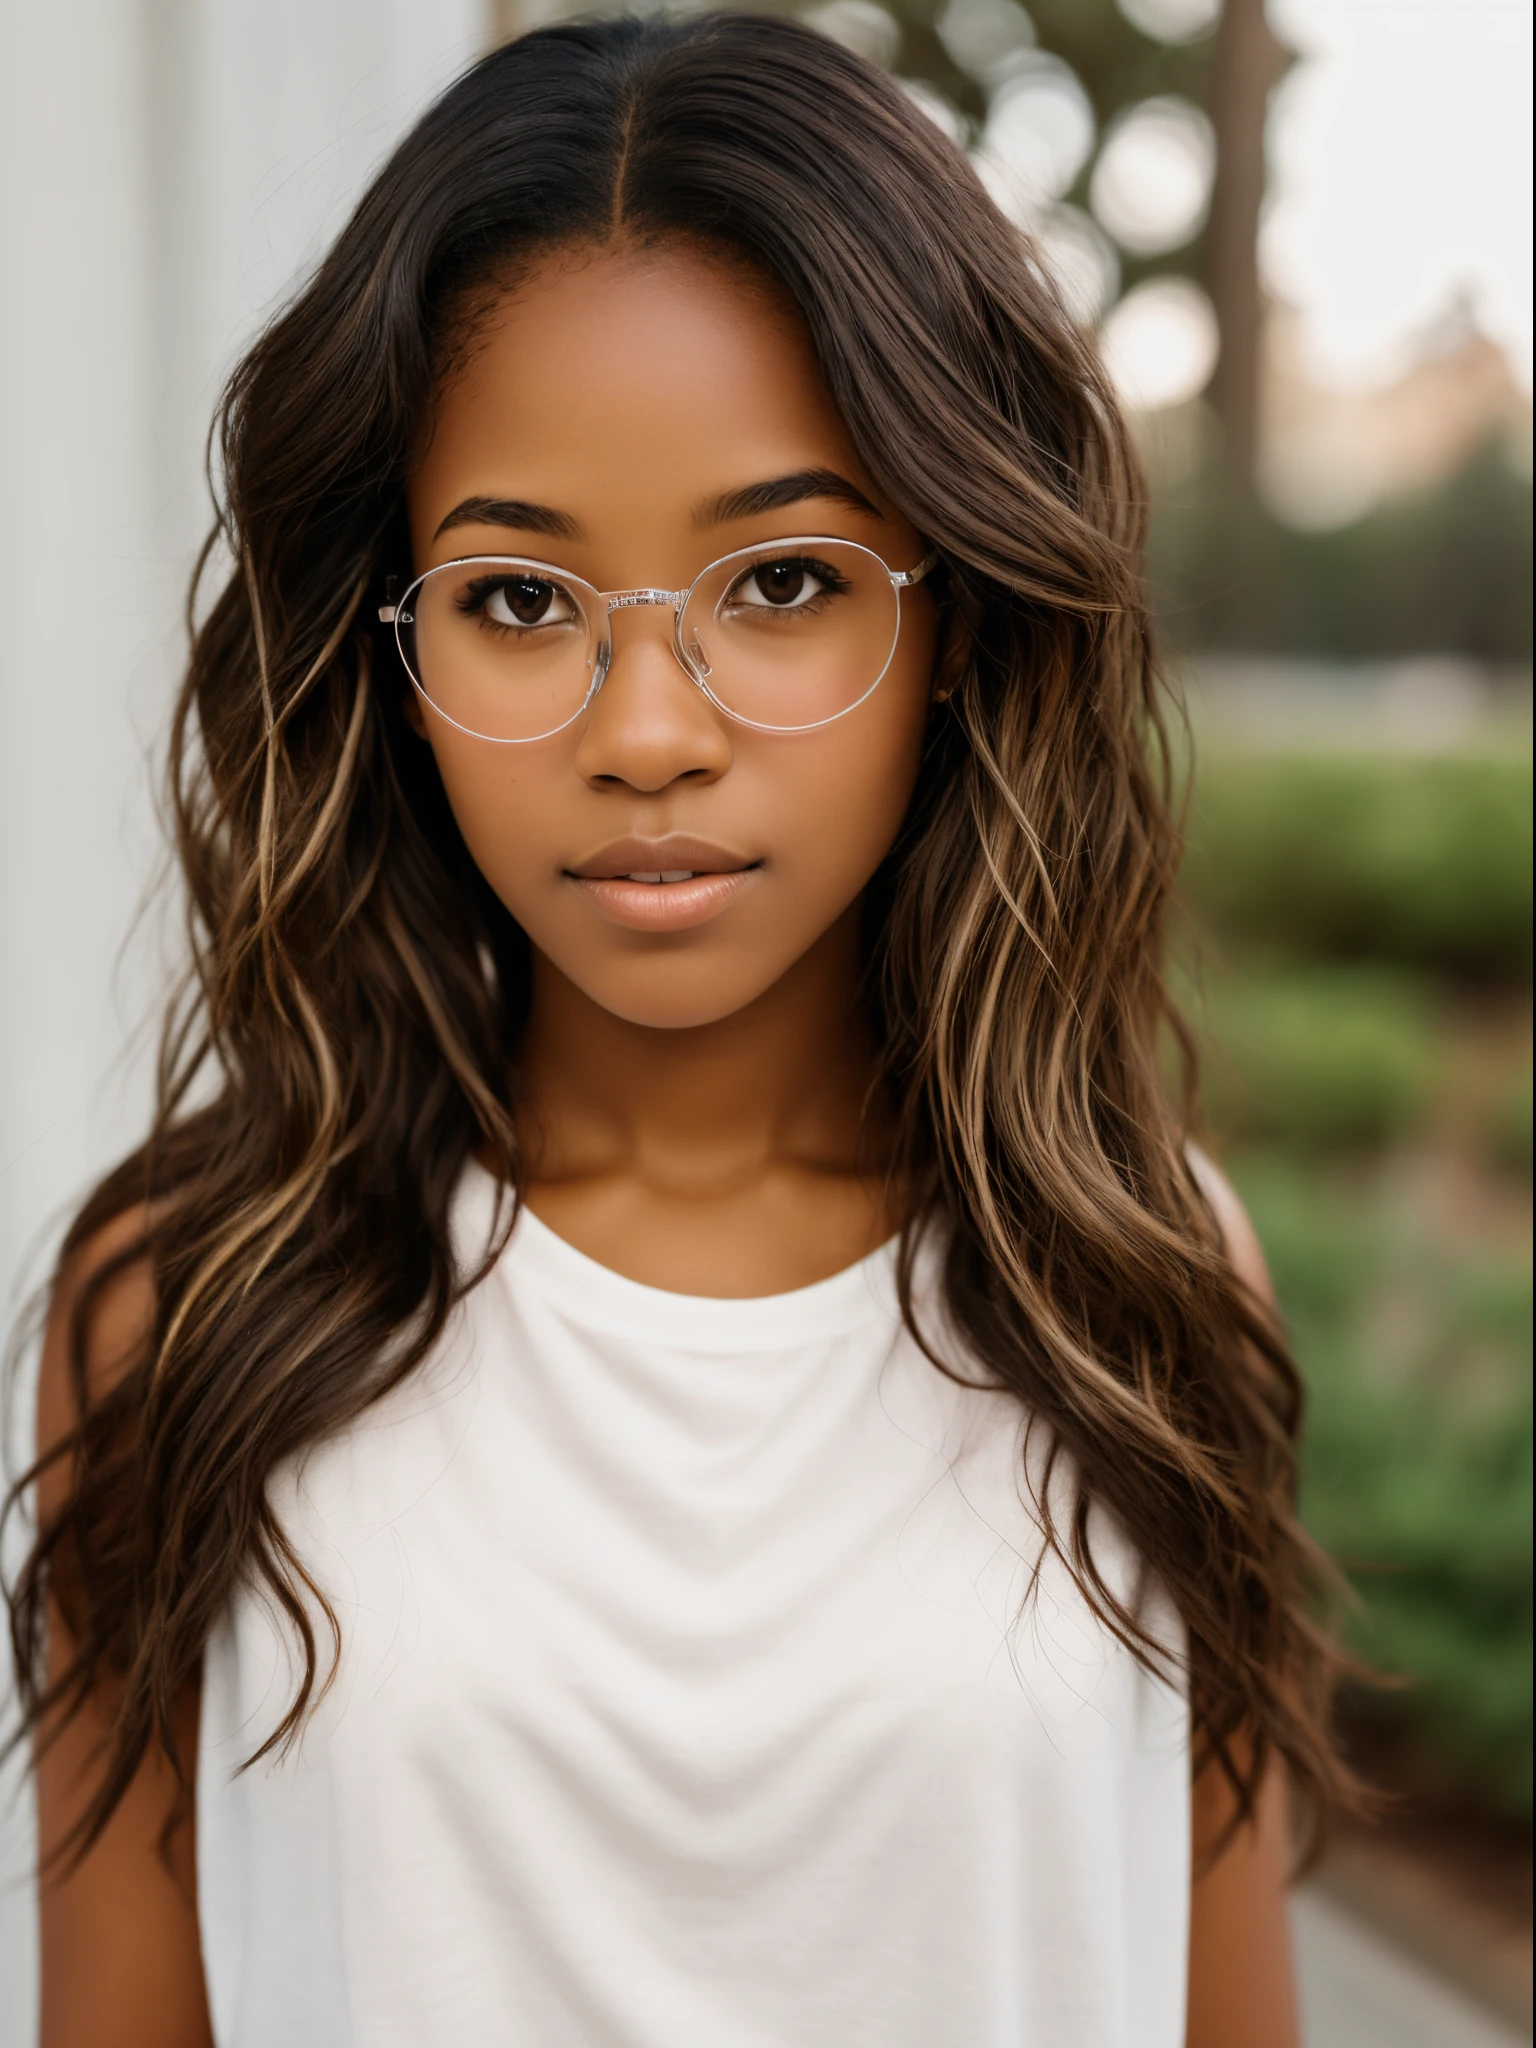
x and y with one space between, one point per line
905 578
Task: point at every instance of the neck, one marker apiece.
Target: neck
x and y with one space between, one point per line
784 1081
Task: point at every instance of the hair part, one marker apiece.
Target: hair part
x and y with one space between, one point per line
356 992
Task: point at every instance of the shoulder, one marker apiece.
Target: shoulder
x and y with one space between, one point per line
1239 1238
101 1315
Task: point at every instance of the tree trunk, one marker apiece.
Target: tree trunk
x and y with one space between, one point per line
1248 60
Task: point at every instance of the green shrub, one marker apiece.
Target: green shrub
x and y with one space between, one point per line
1509 1128
1445 571
1419 860
1417 1459
1317 1057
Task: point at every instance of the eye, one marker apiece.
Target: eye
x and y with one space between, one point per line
525 601
783 586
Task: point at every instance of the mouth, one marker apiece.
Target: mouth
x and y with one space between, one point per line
669 875
663 885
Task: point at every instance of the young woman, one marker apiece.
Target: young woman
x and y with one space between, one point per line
666 1443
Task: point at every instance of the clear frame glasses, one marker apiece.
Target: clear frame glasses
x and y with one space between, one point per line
784 637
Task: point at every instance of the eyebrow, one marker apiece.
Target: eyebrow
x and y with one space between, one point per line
777 492
514 512
772 495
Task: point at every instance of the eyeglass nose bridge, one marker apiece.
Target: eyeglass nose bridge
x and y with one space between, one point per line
696 668
625 600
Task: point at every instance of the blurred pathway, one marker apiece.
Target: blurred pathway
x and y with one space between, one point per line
1360 1991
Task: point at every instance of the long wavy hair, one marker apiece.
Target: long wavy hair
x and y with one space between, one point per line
343 1040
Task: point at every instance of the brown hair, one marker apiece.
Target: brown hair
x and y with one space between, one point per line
340 1046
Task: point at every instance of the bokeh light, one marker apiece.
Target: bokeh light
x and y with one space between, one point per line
1160 343
1151 187
861 26
982 34
1172 21
1039 133
941 111
1081 261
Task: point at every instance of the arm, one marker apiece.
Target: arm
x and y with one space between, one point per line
121 1963
1241 1991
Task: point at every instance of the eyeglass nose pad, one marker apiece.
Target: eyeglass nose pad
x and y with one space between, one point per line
697 659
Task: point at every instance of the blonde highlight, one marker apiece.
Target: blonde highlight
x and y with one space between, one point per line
346 1035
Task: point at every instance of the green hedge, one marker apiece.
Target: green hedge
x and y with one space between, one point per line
1445 571
1424 861
1507 1138
1317 1057
1417 1460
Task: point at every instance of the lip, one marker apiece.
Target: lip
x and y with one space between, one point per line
637 856
717 875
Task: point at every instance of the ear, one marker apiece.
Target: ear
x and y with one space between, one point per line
954 653
414 716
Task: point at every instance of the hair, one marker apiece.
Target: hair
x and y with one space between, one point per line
341 1044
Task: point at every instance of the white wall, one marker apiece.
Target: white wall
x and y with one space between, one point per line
167 169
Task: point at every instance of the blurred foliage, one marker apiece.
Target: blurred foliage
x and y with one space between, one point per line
1365 1022
1446 571
1115 61
1318 1057
1418 1458
1117 64
1507 1132
1120 66
1419 860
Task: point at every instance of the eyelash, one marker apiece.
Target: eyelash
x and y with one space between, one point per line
471 603
832 584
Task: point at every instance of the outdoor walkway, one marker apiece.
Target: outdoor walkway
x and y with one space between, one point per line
1360 1991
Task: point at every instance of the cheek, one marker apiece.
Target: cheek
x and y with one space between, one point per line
847 793
501 802
843 792
873 754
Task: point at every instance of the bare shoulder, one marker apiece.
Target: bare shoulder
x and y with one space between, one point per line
1241 1989
118 1936
1241 1985
111 1274
1238 1233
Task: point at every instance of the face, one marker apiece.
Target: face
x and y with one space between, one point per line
612 420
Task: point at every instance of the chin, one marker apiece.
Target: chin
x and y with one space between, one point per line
673 994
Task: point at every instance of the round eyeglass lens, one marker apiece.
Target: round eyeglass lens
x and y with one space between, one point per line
788 635
503 648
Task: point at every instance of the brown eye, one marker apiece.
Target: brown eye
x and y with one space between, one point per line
783 586
527 601
782 582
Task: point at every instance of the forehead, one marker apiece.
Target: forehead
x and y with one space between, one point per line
643 374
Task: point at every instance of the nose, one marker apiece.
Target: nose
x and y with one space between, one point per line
650 725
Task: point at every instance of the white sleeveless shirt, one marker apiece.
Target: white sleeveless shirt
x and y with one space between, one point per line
697 1689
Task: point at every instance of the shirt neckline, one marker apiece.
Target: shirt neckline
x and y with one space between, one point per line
590 1293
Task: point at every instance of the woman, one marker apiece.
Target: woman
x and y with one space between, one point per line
665 1442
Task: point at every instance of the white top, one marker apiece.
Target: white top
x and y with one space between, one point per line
692 1695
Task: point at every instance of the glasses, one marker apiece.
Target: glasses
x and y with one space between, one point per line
783 637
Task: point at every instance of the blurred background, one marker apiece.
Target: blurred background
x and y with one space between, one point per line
1303 232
